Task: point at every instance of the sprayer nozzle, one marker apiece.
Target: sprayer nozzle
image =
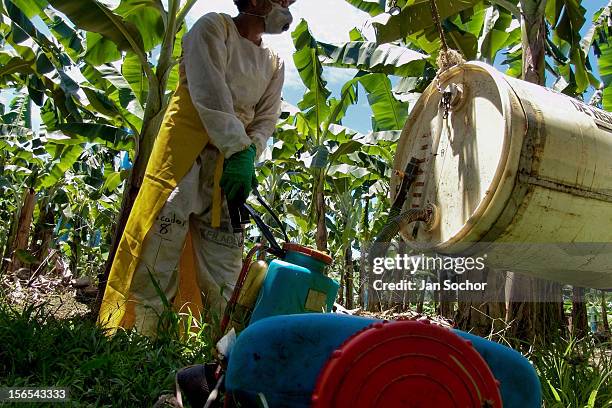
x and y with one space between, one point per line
433 217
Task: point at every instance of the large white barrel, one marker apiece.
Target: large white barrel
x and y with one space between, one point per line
514 164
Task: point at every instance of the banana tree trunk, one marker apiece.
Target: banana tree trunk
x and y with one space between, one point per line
348 273
446 298
482 318
24 223
534 319
363 279
421 299
75 245
397 300
8 246
580 321
341 288
321 234
43 231
604 313
533 28
538 314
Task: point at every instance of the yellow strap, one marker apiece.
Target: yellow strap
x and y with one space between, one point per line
216 202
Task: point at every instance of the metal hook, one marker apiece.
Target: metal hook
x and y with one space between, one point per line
395 9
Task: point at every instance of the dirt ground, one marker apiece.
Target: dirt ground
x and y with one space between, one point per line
57 297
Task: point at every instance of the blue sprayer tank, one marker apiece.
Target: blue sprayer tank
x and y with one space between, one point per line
296 284
283 358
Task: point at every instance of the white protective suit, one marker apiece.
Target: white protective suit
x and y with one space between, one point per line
235 87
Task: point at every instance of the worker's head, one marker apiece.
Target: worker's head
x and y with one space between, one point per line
276 14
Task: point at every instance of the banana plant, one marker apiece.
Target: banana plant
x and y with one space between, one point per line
16 176
312 124
325 147
599 40
390 59
481 29
99 104
415 16
347 204
33 160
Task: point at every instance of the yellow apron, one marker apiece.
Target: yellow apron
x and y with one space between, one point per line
181 138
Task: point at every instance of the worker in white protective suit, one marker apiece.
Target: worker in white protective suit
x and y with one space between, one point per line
221 116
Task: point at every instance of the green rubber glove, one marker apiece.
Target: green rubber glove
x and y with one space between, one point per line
238 174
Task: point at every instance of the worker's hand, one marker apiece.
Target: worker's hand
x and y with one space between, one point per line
238 173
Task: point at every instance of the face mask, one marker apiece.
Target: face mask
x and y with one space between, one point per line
277 20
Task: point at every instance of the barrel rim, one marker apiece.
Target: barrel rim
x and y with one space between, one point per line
484 212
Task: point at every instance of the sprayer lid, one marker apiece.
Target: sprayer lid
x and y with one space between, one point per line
406 363
313 253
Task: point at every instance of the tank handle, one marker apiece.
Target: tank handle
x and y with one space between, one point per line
271 212
275 249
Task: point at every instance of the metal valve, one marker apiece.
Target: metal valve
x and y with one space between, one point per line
451 96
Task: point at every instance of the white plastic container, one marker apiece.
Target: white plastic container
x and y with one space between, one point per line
517 165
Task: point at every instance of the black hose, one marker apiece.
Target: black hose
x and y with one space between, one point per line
383 240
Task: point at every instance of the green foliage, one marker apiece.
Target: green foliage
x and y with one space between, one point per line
567 35
372 57
73 181
372 7
500 30
127 369
598 38
310 69
389 113
575 373
94 17
416 17
314 147
90 110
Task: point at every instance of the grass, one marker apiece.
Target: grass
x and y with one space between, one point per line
130 370
575 373
126 370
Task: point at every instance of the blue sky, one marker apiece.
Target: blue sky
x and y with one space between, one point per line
324 22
